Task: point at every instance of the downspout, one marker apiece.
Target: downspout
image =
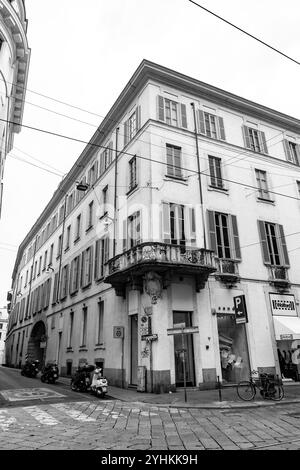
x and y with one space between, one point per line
31 277
61 248
115 195
199 176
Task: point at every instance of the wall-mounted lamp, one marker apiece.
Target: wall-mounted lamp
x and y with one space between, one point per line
49 269
19 294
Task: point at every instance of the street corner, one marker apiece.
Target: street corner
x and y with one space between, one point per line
22 394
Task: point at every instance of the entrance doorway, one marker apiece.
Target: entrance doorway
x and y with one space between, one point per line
34 351
184 319
134 349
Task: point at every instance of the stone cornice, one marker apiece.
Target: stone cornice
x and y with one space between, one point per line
149 71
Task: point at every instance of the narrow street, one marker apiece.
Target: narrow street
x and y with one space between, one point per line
34 418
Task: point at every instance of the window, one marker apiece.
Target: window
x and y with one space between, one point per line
273 244
292 151
68 234
93 173
61 214
298 186
134 229
86 267
51 254
255 140
174 161
99 339
104 199
70 202
84 326
71 322
40 266
211 125
132 174
90 215
101 256
64 282
215 172
178 224
74 275
59 246
262 185
132 125
106 157
45 260
78 227
26 279
223 235
35 269
171 112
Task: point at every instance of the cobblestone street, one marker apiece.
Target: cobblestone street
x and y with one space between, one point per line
115 425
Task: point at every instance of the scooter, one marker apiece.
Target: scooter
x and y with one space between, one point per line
30 369
80 381
99 383
50 373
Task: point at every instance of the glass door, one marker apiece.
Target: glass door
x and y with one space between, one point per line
134 349
184 351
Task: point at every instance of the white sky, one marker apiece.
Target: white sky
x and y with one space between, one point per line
84 53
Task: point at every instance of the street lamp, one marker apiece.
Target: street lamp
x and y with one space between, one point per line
82 186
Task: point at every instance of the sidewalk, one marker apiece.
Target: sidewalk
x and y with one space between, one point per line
200 398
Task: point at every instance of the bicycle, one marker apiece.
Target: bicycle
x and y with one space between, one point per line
269 387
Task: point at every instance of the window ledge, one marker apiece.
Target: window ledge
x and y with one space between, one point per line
67 249
99 279
89 228
76 240
218 190
72 294
87 286
266 201
103 215
99 347
176 179
69 349
82 348
131 190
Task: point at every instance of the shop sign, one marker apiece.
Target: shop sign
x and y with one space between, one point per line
283 304
240 309
286 337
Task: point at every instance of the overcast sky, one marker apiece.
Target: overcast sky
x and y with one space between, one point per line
84 53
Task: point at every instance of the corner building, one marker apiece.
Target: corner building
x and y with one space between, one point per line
14 65
189 197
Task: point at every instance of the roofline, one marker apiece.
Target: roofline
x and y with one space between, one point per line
146 71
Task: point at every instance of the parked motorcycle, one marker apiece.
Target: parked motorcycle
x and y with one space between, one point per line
81 381
50 373
99 383
30 368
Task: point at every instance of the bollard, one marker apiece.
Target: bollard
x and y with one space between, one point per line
219 388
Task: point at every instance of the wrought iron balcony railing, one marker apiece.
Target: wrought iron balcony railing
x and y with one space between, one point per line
278 276
227 271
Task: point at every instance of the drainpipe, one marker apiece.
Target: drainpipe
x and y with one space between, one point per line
199 176
115 195
31 276
61 247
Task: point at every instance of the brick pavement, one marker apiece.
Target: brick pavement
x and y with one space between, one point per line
116 425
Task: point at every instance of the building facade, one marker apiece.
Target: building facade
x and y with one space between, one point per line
14 63
3 329
188 199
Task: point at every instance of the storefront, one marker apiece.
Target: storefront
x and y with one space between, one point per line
287 334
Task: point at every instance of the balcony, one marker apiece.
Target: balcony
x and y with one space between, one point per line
161 258
278 277
227 272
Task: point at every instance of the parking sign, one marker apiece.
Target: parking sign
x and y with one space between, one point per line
240 309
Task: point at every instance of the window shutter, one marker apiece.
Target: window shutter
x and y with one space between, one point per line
102 157
139 226
106 249
96 171
166 235
201 122
96 269
284 251
82 269
235 234
298 153
126 133
183 116
189 226
110 153
160 108
221 128
90 266
287 150
125 234
264 142
246 137
138 117
263 239
212 231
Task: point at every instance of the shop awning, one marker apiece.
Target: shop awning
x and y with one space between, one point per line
286 327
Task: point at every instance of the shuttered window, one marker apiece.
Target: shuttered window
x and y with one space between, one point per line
84 326
210 125
215 172
274 249
64 282
223 235
134 229
132 125
132 174
171 112
174 161
74 275
86 267
178 224
262 184
255 140
100 335
292 151
106 158
101 257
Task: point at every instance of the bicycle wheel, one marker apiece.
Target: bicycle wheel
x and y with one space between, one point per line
246 390
277 393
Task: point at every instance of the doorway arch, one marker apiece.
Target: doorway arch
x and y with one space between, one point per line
34 351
